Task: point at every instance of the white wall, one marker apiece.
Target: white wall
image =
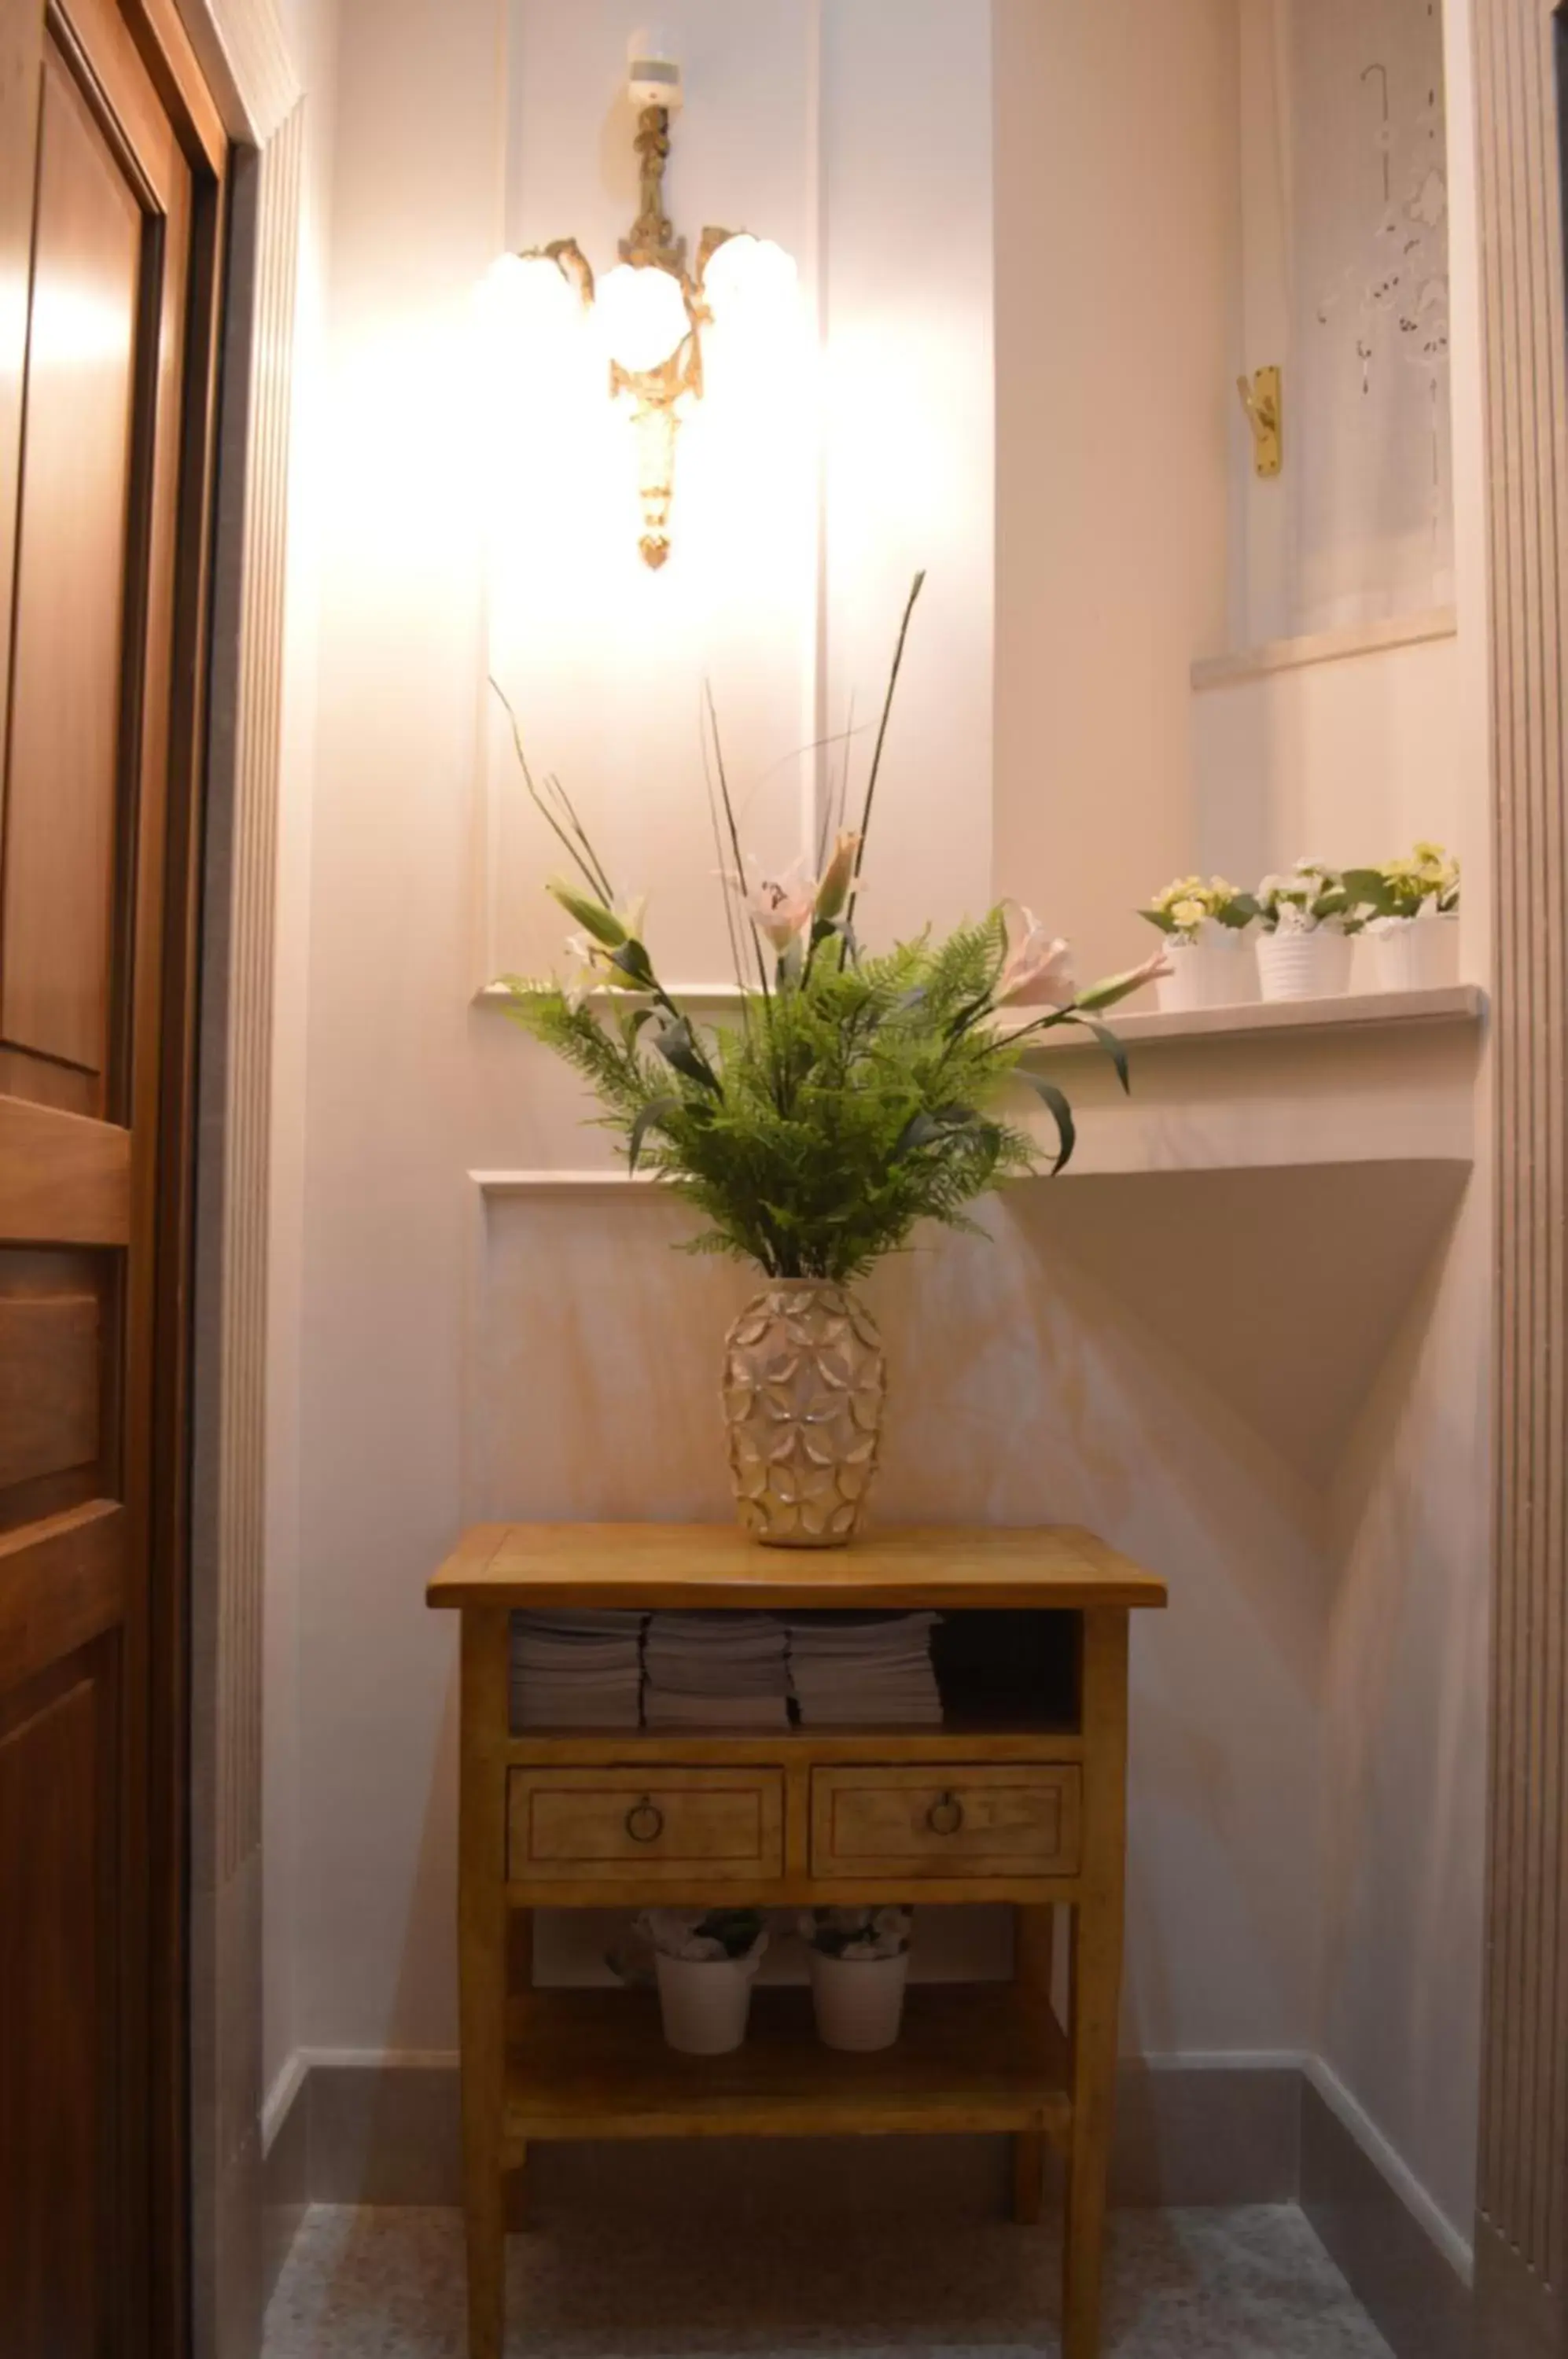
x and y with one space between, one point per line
1349 761
1117 281
1036 1397
820 471
311 26
1406 1731
549 1354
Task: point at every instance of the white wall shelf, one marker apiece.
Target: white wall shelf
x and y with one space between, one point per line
1386 1078
1392 1013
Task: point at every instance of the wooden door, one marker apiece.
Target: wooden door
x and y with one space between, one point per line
103 391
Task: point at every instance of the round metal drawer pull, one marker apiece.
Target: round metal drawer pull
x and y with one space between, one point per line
645 1821
945 1816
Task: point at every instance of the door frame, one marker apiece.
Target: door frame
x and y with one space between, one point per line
250 67
1521 2226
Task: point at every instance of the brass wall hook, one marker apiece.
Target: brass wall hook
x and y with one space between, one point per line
1262 398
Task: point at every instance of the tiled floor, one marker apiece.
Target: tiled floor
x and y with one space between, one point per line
1184 2285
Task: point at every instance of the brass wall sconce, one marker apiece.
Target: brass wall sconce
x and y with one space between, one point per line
650 310
1262 398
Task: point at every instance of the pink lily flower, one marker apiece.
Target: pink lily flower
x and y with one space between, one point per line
780 907
1038 973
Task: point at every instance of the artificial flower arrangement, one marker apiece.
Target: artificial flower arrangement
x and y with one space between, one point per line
1311 896
704 1936
859 1093
859 1934
1185 909
1425 884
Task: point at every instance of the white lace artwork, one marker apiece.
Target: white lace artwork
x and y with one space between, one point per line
1372 468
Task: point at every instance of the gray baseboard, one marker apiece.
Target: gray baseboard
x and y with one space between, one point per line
388 2134
1409 2289
1185 2135
285 2187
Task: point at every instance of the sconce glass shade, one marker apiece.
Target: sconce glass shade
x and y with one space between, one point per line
642 315
748 275
529 295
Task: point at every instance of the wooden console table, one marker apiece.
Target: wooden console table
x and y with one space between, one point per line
1020 1796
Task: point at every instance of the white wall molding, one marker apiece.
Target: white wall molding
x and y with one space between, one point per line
229 1425
701 996
1326 646
1460 1003
609 1183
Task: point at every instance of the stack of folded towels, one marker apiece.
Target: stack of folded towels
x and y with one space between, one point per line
715 1670
577 1670
875 1671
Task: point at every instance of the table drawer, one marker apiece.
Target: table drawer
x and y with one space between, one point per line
1014 1818
598 1826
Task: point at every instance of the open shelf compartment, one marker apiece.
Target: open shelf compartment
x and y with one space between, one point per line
971 2058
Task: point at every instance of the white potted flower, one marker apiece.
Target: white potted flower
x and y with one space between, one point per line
1307 920
1204 927
705 1960
1414 933
860 1965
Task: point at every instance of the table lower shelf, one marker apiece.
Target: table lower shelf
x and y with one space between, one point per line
593 2064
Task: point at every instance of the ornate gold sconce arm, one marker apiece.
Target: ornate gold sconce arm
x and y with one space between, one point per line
654 324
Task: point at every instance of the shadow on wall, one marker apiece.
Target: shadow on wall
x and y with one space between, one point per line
1174 1361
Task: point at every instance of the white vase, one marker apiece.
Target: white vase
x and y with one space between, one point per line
804 1382
704 2001
860 2002
1314 966
1414 953
1210 972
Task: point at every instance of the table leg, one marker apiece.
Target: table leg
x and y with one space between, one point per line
1095 1961
1034 1932
482 1972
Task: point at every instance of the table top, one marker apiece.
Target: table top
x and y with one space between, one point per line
656 1566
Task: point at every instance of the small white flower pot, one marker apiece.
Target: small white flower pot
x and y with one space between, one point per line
1414 953
1314 966
1210 972
860 2002
704 2001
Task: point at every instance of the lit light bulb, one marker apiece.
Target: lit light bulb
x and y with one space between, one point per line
530 295
748 276
642 315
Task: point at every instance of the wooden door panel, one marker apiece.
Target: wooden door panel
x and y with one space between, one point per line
63 1181
105 474
63 1583
56 2061
52 1374
64 784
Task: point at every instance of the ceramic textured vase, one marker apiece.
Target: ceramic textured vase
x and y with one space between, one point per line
1314 966
805 1377
1212 972
1415 953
